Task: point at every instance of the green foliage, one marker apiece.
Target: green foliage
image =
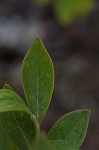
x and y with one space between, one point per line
10 101
38 79
42 143
70 129
18 124
68 10
20 129
21 119
5 143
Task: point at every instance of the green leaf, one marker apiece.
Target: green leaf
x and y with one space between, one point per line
63 145
70 129
7 86
5 143
68 10
43 144
38 79
10 101
19 127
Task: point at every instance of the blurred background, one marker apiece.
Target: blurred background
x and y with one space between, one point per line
70 32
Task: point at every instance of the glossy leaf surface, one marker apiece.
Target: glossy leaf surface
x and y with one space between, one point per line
38 79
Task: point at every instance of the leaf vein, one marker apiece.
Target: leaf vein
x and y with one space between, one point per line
21 130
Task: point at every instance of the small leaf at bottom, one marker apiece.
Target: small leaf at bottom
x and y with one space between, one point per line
71 128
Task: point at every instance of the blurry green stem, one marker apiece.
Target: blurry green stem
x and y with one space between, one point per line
37 129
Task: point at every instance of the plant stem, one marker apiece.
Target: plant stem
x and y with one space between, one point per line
37 129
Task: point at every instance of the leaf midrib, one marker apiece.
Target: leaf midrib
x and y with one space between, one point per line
69 133
78 120
21 131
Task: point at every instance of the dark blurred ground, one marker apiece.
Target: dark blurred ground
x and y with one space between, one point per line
74 49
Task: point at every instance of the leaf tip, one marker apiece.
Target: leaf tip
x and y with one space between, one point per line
88 111
37 39
5 85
